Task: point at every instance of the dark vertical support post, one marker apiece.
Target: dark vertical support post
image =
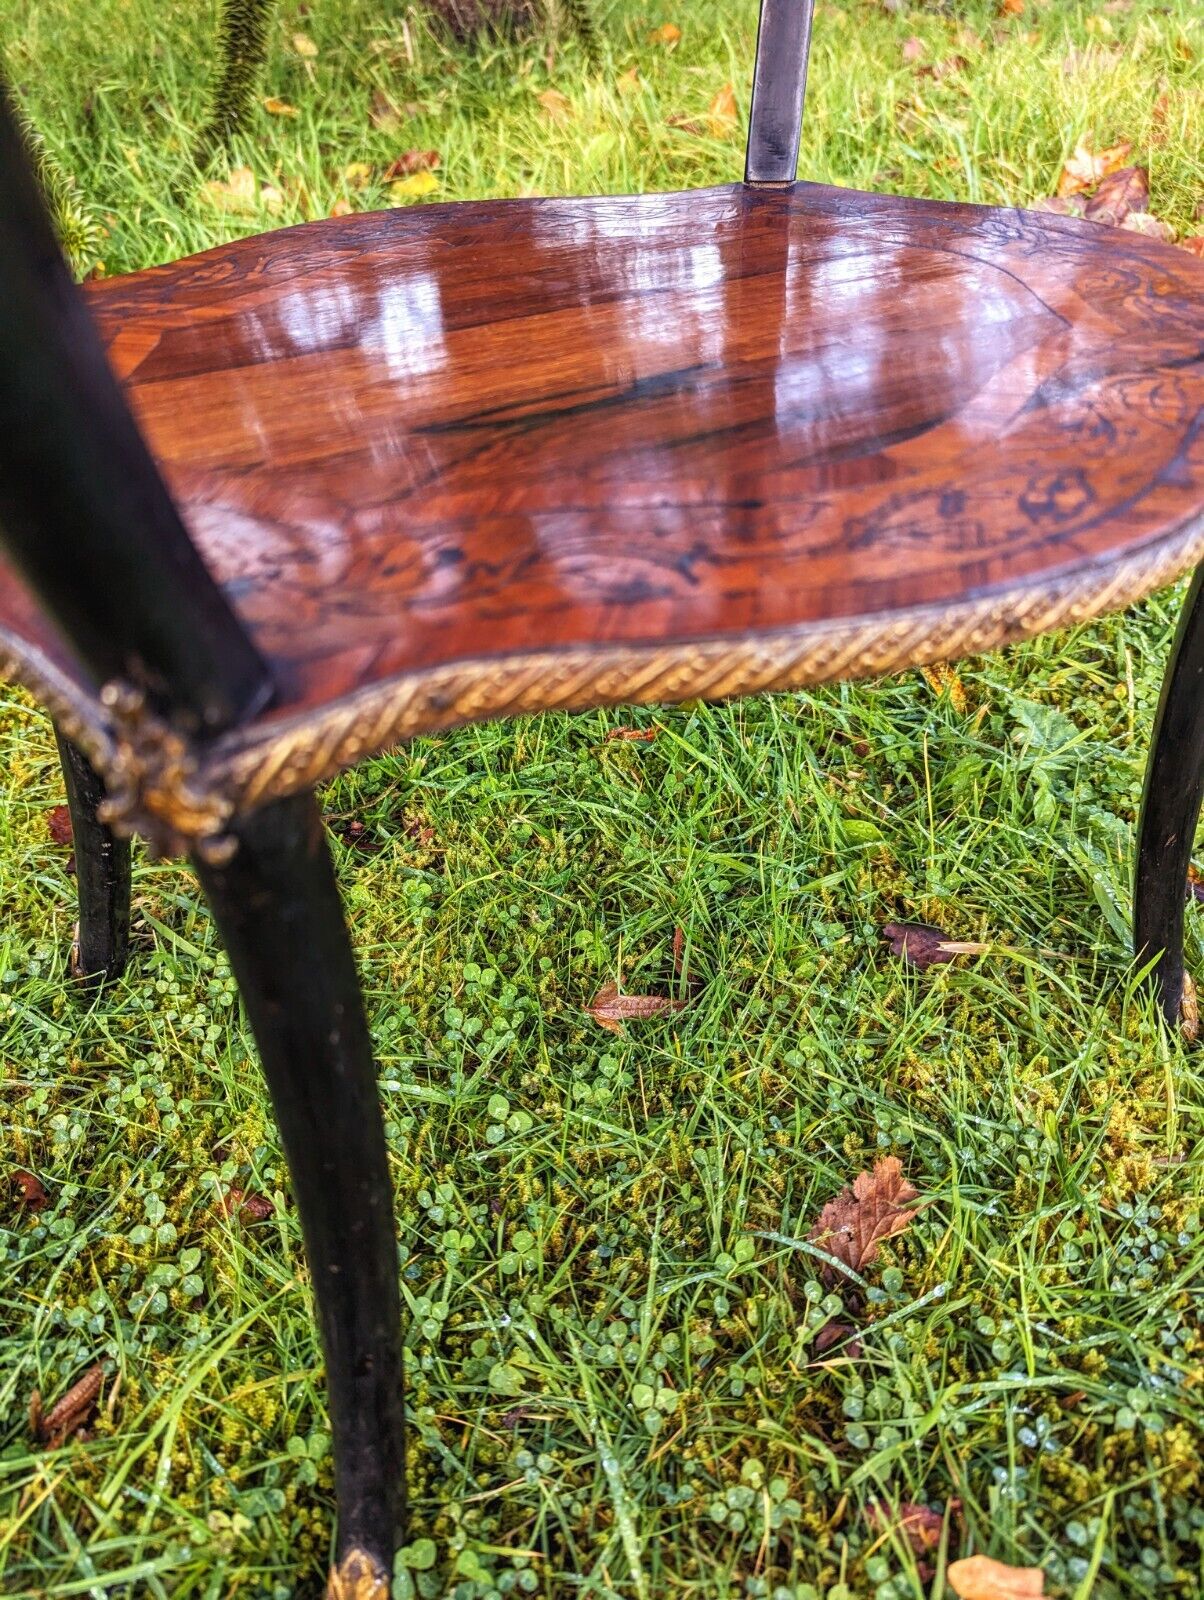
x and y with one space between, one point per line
102 872
775 118
84 512
1174 788
278 908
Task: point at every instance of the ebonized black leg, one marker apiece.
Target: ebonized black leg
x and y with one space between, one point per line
102 873
278 908
1174 787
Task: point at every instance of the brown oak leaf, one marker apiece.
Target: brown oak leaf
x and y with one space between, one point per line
631 735
252 1207
854 1224
610 1009
1062 205
410 161
922 946
1085 168
58 825
31 1191
1152 227
920 1525
980 1578
68 1416
1121 192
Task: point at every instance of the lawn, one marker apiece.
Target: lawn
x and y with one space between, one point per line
628 1373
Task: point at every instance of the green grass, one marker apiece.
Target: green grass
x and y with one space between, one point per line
1033 1347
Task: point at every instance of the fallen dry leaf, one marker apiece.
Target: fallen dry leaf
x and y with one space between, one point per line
1189 1010
414 187
1125 190
69 1415
913 48
31 1191
411 161
1011 8
610 1009
358 174
341 208
628 82
1152 227
557 105
922 946
854 1224
980 1578
1062 205
838 1333
58 825
721 113
237 193
1085 169
279 108
1195 243
668 33
631 735
251 1207
271 198
304 46
920 1525
353 832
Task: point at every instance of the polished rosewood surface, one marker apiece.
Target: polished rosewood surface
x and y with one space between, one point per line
464 431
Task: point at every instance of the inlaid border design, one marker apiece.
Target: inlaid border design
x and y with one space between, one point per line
187 804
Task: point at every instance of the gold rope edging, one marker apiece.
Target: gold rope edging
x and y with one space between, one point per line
269 762
183 797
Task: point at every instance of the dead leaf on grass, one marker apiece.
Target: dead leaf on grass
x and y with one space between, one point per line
279 108
667 34
878 1206
980 1578
1150 227
58 825
1195 243
1085 169
1121 192
557 105
410 161
630 735
304 46
913 48
1068 205
252 1207
414 187
31 1191
721 113
610 1009
920 1525
922 946
68 1416
237 193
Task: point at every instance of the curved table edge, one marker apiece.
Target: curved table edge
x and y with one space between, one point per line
269 761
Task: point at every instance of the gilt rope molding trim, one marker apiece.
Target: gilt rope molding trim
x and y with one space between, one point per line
182 796
269 762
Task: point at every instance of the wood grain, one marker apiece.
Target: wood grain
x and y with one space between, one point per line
421 447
